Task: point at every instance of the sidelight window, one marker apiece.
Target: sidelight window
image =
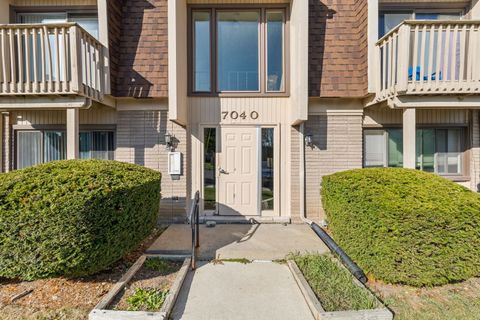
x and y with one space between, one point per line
267 166
209 165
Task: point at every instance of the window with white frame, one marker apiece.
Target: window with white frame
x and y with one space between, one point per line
237 50
39 146
438 150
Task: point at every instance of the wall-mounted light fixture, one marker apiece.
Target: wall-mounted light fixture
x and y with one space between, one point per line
168 141
308 140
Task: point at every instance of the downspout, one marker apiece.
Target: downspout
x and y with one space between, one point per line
329 242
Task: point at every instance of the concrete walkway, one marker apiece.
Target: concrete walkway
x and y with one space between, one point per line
235 241
231 290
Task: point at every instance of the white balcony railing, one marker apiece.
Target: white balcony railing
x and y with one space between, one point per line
428 57
50 59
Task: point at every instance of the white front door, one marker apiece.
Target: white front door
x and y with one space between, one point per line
238 171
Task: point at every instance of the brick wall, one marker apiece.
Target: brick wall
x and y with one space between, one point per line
337 141
338 48
141 140
143 50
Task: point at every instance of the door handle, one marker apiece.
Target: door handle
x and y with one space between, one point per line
222 171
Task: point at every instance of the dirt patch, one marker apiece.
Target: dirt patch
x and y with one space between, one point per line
453 301
147 278
62 298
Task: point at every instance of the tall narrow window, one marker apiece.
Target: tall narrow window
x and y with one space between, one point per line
238 50
209 160
267 169
374 148
201 48
275 55
29 149
54 146
97 145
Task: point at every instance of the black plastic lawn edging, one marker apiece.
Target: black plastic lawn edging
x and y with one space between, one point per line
337 251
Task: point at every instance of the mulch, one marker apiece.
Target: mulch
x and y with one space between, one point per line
57 293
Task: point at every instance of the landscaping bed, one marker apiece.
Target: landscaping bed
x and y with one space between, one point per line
331 291
149 287
64 298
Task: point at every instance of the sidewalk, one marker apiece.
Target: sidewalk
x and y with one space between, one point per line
232 290
263 289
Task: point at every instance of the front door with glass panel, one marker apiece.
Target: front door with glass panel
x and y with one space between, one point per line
238 171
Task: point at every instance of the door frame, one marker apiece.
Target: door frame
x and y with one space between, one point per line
276 212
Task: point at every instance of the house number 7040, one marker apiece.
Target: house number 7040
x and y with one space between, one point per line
235 115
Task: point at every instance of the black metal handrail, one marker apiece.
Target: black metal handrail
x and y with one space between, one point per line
194 223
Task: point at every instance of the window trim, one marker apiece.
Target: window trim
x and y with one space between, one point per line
464 174
214 92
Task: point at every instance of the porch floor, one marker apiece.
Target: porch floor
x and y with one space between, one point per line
237 241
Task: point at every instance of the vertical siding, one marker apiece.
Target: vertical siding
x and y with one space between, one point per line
386 116
94 115
59 3
271 112
141 140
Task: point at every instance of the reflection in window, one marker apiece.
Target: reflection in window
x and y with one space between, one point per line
238 50
275 50
201 47
209 151
437 150
97 145
267 169
54 146
29 149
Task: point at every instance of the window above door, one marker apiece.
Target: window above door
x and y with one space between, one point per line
238 51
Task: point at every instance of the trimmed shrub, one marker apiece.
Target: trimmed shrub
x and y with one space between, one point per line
405 226
74 218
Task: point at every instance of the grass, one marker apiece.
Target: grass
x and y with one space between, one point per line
163 266
459 301
333 284
146 299
232 260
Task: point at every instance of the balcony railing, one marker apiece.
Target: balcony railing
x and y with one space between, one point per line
428 57
50 59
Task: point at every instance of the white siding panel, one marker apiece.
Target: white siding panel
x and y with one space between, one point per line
59 3
94 115
385 116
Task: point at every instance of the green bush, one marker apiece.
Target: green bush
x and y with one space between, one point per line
74 218
405 226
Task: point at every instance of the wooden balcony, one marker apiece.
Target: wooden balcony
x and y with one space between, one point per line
422 57
51 59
